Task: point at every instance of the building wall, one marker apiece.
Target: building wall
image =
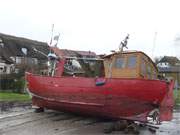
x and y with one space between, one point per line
6 68
25 60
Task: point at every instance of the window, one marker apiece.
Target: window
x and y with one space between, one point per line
2 44
1 69
24 50
149 71
132 62
120 63
5 69
154 75
35 61
143 67
18 60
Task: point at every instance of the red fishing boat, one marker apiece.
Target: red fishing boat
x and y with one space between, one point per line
122 85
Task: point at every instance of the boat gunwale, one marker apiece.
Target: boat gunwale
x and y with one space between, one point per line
79 77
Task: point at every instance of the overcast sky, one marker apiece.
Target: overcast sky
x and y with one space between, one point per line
97 25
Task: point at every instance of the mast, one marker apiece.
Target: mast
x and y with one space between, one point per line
52 30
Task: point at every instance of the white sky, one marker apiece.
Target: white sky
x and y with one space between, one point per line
96 25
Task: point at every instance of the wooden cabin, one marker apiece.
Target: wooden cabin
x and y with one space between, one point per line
134 64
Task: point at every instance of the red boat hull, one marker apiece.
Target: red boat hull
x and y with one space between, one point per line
116 98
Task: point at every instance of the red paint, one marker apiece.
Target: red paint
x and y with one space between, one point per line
116 98
166 106
60 67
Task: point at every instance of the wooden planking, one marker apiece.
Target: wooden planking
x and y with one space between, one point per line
112 72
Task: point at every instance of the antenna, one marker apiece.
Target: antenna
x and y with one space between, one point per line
124 43
51 34
57 39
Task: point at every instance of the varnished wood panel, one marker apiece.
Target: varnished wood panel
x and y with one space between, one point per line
112 72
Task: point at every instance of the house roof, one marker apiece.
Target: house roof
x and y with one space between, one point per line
86 53
13 47
72 53
6 60
170 59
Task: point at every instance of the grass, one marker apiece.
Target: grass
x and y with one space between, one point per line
9 96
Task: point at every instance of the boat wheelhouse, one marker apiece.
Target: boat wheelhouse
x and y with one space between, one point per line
129 64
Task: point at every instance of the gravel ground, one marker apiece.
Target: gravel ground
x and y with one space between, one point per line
23 121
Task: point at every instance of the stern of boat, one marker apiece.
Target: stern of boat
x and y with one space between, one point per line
167 104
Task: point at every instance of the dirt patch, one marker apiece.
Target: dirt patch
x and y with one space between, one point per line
20 119
9 105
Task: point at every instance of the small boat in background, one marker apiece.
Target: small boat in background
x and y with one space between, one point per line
122 85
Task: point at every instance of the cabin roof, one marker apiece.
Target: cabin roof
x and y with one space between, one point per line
132 52
124 52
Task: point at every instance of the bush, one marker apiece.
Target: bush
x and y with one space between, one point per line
18 85
14 85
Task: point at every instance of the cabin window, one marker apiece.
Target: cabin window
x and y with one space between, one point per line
149 71
143 67
154 75
132 62
120 63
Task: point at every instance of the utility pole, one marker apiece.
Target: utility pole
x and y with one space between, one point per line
154 44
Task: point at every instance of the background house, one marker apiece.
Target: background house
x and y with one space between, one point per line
18 55
168 61
86 61
23 54
6 65
169 66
